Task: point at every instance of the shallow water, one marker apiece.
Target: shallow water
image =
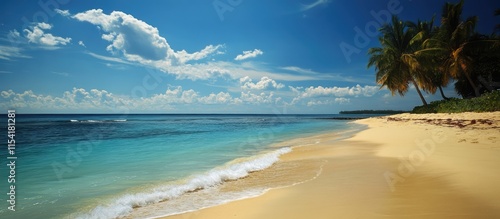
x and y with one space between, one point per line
103 166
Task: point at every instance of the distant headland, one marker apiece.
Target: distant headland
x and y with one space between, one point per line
386 112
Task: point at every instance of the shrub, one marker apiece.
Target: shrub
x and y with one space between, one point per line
488 102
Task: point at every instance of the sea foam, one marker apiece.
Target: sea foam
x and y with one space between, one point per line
97 121
125 204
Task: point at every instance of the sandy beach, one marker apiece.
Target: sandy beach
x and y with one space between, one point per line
401 166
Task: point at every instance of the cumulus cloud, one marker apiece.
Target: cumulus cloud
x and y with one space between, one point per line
264 83
342 100
37 35
340 91
79 99
324 95
175 95
81 43
138 41
249 54
338 100
220 98
128 34
196 71
183 56
260 98
135 41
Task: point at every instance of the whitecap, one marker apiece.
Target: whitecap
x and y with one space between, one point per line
125 204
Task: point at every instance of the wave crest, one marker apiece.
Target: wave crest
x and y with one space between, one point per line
97 121
124 205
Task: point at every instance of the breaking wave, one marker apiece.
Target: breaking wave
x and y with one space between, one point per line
125 204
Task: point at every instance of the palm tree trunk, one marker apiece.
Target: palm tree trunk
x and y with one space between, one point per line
484 83
442 93
419 93
476 89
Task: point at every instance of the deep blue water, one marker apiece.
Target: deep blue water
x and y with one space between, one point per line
92 165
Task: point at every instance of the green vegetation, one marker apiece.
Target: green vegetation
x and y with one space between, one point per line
488 102
386 112
430 57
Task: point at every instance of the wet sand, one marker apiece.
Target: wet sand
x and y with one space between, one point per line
401 166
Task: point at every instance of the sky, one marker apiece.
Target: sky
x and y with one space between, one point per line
198 56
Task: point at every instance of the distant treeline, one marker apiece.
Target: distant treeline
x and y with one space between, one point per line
373 112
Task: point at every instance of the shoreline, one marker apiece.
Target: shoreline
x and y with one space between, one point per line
403 165
255 184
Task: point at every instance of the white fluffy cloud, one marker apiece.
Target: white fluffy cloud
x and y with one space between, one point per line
128 35
260 98
338 100
174 96
137 40
340 91
73 100
220 98
79 99
329 95
184 56
249 54
37 35
264 83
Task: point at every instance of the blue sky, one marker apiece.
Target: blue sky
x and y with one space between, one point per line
220 56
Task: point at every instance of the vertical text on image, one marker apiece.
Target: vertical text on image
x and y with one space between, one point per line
11 147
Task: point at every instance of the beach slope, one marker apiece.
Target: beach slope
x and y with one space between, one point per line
401 166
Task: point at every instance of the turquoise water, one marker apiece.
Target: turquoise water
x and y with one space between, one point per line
102 166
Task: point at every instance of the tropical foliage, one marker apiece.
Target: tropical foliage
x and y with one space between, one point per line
488 102
497 13
394 71
430 57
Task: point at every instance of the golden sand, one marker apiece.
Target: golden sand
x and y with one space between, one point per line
402 166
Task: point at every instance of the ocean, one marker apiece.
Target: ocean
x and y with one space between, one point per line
107 166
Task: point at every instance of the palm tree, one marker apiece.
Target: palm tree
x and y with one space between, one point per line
455 44
455 35
427 66
441 80
497 13
393 70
